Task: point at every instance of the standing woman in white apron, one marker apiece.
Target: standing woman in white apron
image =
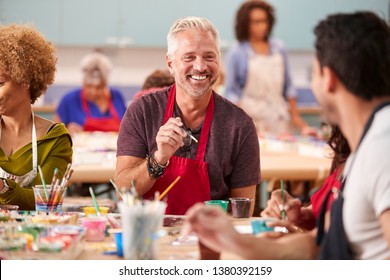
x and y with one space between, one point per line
27 67
257 74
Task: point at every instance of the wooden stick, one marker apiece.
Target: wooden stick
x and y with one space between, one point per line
169 188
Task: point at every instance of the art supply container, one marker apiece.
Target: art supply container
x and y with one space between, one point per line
221 203
49 200
240 206
95 228
117 233
118 243
140 224
90 210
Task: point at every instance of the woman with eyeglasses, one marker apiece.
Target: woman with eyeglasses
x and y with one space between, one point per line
257 73
95 106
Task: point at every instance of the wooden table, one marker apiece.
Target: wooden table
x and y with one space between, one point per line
293 166
274 165
166 251
290 160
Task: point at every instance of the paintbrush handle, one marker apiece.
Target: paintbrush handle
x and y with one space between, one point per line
283 199
193 138
169 188
95 204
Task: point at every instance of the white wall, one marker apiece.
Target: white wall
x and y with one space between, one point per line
132 65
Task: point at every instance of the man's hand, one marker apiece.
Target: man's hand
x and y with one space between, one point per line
169 139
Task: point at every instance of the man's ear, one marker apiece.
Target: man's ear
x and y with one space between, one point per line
330 79
168 59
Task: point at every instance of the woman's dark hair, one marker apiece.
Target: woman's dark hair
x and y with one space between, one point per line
340 147
242 18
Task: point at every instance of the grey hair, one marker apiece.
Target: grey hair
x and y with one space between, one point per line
96 68
190 23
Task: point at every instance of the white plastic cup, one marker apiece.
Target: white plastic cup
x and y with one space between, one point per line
140 224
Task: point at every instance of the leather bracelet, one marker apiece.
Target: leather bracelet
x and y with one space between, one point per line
158 163
155 169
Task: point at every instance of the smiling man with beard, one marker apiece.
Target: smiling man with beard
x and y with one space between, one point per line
154 143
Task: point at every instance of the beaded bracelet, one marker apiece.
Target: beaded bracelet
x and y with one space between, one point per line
155 169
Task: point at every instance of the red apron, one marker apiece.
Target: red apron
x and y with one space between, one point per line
111 123
194 184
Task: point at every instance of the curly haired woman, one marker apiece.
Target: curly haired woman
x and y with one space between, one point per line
27 67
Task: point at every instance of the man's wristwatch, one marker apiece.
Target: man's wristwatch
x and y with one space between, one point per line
155 169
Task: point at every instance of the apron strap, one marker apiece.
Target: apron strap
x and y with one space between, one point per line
34 145
321 217
170 103
84 102
206 124
111 106
113 110
204 135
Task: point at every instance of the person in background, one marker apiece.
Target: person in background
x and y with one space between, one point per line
257 73
305 217
219 86
351 66
157 80
154 146
95 106
27 67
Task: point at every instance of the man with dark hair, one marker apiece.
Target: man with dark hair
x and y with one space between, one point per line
351 81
